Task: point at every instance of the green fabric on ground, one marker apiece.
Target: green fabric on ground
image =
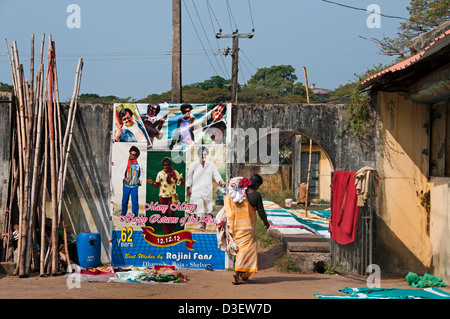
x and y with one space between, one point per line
426 280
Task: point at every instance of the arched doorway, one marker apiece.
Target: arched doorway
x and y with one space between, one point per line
298 154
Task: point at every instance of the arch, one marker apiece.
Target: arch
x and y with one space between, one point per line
324 123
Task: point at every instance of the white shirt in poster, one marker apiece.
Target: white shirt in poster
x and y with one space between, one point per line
200 178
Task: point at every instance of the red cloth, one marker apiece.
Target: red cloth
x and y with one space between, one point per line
245 182
344 209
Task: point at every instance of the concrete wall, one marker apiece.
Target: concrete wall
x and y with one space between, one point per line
5 149
403 219
324 172
324 123
86 206
87 191
272 183
440 226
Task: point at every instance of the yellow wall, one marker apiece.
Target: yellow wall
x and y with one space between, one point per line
403 166
324 172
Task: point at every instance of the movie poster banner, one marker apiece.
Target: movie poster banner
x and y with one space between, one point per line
168 180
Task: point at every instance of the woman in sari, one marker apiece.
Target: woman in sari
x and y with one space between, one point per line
241 216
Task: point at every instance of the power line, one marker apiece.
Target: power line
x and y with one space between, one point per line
251 15
206 36
362 9
192 21
230 16
210 10
248 60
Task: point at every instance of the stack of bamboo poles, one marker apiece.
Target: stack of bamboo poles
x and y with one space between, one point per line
40 148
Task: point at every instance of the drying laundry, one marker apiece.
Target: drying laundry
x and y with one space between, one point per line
362 184
388 293
344 209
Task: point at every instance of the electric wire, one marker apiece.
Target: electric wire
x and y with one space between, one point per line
249 61
211 11
362 9
251 14
192 21
207 38
231 16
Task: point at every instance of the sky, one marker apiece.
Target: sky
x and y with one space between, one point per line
126 45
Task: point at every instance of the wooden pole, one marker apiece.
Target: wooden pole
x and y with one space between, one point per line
176 52
54 234
306 83
43 201
68 134
308 177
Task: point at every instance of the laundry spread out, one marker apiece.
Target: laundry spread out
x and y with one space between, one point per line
388 293
157 274
287 221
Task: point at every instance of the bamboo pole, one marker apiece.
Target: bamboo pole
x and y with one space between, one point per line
54 234
68 134
37 152
306 83
309 175
43 202
37 121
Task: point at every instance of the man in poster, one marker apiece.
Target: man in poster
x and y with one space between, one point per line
167 180
199 185
186 125
152 124
131 182
130 129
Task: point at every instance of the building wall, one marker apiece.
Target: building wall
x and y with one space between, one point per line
87 191
272 183
403 219
324 172
440 227
86 206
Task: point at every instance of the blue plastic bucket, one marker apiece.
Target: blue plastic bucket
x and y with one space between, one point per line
89 249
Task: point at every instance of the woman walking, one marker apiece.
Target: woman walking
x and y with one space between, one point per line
241 216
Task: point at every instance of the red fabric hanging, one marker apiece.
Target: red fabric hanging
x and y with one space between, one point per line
344 209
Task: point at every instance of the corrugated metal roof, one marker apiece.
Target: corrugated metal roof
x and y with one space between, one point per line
438 43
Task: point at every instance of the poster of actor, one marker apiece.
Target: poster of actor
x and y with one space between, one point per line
216 125
128 125
155 119
186 122
165 186
205 184
129 171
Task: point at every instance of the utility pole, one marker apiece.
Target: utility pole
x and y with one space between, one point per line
235 56
176 51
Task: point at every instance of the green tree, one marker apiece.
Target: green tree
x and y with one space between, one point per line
95 98
424 15
215 81
280 78
6 87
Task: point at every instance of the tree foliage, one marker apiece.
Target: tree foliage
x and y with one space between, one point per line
95 98
6 87
424 15
280 78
